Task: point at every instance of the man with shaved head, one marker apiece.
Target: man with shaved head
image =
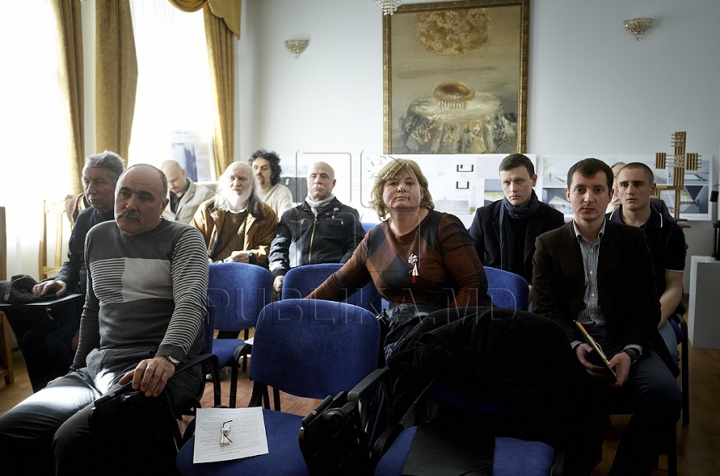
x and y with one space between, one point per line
143 316
185 195
320 230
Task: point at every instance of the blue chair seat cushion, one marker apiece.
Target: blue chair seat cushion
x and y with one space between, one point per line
437 453
283 458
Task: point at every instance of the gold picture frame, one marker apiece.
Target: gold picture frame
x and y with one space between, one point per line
455 77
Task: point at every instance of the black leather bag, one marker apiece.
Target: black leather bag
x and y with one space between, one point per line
131 422
333 441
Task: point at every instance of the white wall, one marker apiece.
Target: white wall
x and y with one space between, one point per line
593 89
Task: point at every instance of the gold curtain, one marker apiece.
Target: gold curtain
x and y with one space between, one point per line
228 10
222 24
116 76
69 27
221 54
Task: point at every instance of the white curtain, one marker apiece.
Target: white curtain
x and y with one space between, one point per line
173 104
33 126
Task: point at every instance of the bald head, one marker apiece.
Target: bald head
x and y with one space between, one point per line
175 176
320 181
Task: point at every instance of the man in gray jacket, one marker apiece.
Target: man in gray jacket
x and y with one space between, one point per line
185 195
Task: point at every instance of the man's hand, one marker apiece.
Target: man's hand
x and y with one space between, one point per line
278 283
150 376
622 362
597 372
43 288
238 257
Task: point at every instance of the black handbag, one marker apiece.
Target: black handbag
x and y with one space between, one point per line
131 422
333 441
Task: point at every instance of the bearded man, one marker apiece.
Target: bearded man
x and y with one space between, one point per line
236 225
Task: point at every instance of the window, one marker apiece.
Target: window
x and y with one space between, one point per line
173 114
33 126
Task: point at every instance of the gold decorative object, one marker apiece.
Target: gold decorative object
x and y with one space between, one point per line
453 95
296 46
638 26
680 161
388 6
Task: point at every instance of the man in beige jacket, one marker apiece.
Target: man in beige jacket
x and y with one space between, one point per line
236 225
185 195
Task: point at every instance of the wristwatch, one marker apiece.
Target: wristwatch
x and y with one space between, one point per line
252 259
633 355
172 360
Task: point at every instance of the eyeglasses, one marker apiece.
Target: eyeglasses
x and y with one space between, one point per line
224 431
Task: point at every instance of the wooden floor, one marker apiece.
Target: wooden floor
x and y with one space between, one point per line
698 442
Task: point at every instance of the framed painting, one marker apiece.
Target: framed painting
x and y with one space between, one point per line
455 77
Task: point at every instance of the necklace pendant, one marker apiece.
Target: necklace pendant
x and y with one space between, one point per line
413 261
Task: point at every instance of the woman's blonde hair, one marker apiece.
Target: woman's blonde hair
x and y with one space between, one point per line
391 170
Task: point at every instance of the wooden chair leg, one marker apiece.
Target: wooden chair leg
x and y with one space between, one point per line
6 361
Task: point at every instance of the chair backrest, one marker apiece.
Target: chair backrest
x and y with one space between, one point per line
368 226
313 348
302 280
507 290
238 292
54 229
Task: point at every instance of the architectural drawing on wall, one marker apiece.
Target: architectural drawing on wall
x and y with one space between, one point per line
695 196
194 154
459 183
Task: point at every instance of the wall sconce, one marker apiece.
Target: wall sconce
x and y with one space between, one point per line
296 46
638 26
388 6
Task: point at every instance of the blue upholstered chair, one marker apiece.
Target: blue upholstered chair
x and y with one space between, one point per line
308 348
507 290
301 281
509 456
237 292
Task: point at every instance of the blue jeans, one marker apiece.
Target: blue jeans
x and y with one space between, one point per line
668 334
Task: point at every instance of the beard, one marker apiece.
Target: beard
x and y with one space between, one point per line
232 201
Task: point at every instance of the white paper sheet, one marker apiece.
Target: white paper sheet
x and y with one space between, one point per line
247 432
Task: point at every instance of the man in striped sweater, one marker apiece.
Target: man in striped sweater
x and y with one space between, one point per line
143 315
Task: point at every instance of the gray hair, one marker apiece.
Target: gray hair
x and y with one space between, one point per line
111 161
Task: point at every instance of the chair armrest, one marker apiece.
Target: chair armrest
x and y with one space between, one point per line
214 365
359 389
242 350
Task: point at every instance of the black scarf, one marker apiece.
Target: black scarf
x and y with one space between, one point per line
507 239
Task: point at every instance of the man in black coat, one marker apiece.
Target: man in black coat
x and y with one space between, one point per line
319 230
48 342
504 232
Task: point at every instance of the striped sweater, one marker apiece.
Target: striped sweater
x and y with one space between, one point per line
145 290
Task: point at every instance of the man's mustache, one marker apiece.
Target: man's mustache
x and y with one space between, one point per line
130 215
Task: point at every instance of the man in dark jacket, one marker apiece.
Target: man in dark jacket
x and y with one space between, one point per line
320 230
504 232
600 274
48 344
